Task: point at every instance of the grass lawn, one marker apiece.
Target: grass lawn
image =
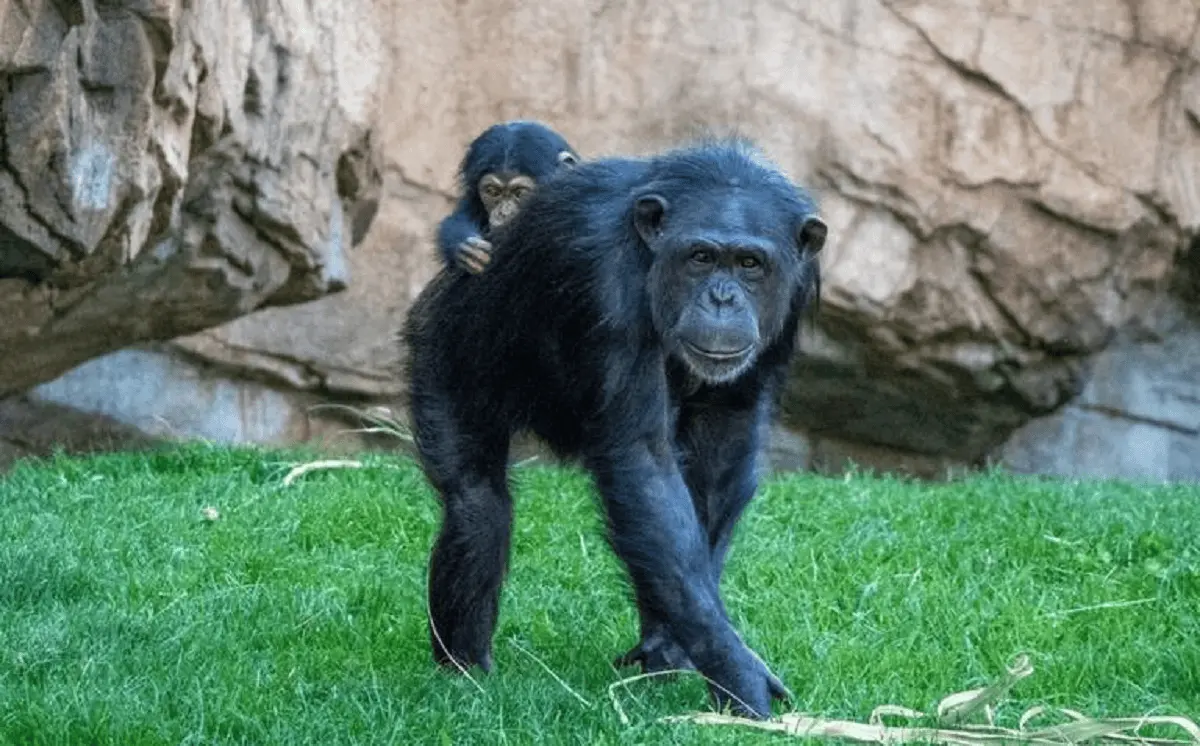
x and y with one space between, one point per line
299 615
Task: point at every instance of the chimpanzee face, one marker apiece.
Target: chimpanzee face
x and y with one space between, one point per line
727 264
503 194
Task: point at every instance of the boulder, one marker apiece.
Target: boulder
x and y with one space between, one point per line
168 166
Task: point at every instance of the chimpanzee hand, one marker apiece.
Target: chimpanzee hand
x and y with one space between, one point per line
656 653
474 254
750 689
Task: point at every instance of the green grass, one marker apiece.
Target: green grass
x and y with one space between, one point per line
299 615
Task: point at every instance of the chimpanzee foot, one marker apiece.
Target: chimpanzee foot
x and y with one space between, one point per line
460 660
461 663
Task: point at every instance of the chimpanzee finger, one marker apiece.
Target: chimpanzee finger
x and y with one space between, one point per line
479 243
473 261
480 256
778 690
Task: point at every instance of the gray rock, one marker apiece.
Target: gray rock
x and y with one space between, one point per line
1138 417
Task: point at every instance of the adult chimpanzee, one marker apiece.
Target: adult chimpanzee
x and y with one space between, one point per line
501 168
640 315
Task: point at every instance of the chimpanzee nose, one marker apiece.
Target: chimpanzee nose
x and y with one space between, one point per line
721 294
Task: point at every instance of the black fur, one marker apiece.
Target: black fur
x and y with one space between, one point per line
514 147
579 331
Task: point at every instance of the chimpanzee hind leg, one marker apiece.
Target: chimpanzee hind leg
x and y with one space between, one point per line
468 467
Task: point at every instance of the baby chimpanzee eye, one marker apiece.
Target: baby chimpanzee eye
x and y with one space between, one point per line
702 256
749 262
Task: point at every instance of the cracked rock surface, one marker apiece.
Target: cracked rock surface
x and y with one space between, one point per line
1012 188
167 166
1016 191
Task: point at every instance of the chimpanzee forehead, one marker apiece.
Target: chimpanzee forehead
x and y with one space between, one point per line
515 148
733 211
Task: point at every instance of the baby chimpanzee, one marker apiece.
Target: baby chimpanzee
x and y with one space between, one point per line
501 168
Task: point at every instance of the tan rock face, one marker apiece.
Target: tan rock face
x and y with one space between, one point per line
1041 207
168 166
1010 184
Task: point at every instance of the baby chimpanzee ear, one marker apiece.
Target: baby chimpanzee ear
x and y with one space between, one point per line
648 214
810 236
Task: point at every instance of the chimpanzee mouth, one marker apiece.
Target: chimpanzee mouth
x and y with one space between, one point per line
718 356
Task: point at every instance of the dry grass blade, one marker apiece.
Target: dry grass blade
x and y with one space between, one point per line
582 699
1107 731
380 420
302 469
804 726
959 707
1083 728
612 690
952 731
879 712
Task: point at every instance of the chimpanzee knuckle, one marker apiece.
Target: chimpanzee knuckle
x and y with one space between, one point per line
778 689
750 696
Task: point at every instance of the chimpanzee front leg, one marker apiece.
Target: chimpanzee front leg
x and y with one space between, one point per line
718 442
655 530
721 443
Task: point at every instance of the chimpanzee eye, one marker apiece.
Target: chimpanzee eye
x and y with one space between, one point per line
567 158
702 256
491 190
749 262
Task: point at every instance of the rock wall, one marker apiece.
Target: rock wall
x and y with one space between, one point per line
1012 187
167 166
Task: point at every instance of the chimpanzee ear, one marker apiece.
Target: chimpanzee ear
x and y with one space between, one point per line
810 236
648 214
